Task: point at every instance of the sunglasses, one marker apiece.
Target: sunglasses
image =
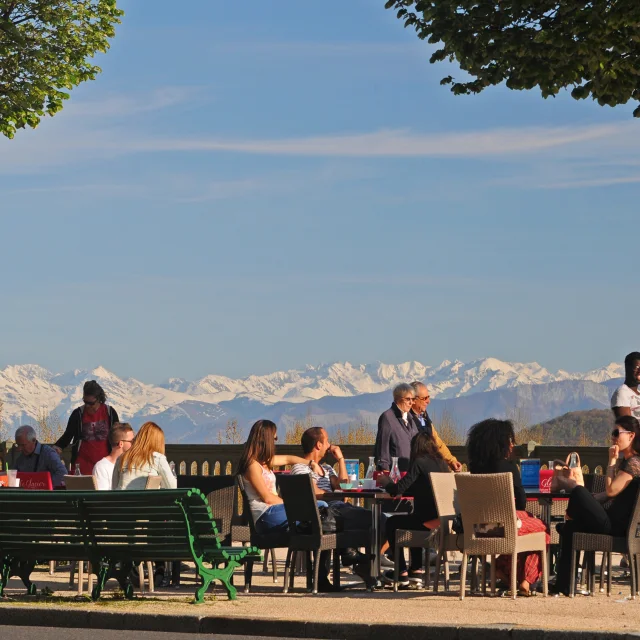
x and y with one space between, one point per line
616 432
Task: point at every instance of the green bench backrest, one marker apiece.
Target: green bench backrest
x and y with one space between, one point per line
116 521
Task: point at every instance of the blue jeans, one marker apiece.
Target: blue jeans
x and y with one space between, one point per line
275 519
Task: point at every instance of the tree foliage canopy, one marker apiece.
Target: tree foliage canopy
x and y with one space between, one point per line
590 46
45 48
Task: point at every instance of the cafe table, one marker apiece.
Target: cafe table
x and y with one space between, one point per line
375 499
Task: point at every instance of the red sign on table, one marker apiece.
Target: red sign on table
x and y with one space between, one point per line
35 481
546 476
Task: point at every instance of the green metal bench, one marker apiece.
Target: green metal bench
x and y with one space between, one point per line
114 527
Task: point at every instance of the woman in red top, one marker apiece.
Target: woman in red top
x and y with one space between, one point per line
88 429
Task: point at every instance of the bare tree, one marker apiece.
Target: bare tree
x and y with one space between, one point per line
232 433
49 427
447 429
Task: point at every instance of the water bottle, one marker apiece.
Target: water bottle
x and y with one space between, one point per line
172 464
395 472
77 472
371 469
573 460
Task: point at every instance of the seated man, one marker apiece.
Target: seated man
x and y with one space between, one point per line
315 444
121 436
35 456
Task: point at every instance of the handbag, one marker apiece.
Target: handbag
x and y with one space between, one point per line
566 478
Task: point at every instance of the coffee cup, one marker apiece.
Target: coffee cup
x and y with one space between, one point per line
12 477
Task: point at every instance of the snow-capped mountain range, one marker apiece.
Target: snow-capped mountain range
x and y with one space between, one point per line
29 390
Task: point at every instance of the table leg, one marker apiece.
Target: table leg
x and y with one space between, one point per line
545 516
375 538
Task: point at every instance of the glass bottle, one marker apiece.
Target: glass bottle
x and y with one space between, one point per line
77 472
573 460
395 472
371 468
172 464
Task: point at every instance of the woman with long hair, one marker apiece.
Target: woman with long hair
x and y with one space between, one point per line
88 429
425 459
145 458
490 445
585 512
256 467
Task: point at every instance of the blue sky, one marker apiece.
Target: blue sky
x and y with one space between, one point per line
247 188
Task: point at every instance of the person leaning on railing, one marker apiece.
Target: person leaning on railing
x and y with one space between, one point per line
585 512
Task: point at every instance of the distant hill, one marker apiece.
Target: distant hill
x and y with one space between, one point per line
580 428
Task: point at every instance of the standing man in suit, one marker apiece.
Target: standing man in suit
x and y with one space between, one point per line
423 422
396 429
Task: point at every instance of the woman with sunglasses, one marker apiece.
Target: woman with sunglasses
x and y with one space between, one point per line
88 429
585 512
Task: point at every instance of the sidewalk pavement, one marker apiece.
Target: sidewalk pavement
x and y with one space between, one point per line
352 613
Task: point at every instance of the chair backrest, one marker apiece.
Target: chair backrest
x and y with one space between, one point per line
153 482
80 483
221 492
246 510
444 492
595 482
486 500
300 503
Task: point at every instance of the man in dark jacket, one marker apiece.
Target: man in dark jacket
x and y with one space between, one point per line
396 430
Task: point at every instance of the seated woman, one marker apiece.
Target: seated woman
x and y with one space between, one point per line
145 458
489 446
425 459
256 468
587 515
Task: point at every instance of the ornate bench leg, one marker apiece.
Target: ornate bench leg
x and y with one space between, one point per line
103 574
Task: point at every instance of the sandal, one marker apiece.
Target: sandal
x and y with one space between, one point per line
416 576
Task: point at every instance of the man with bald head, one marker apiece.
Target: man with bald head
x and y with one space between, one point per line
423 422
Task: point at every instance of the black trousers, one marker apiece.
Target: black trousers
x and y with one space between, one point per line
411 522
587 516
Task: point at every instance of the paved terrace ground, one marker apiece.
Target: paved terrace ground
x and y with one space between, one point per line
267 601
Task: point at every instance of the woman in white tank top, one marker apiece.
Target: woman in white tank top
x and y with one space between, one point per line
256 468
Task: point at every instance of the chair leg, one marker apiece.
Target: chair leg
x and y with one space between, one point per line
493 575
89 578
463 575
316 570
80 577
436 579
336 568
446 570
274 566
603 570
265 563
483 574
152 586
514 575
609 574
633 567
52 567
426 567
72 572
473 586
308 566
396 569
545 571
287 569
592 573
141 576
248 575
292 573
572 580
